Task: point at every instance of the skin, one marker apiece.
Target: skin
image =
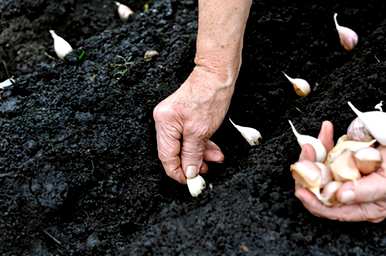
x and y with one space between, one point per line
364 201
186 120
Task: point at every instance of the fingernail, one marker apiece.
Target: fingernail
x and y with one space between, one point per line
347 196
191 171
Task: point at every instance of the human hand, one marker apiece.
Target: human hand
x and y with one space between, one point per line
363 201
187 119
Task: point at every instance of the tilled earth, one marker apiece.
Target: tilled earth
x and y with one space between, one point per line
79 173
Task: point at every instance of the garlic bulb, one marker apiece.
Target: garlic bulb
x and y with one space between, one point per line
348 38
307 175
358 132
196 185
7 83
325 174
124 11
150 54
301 86
329 193
61 46
374 121
346 145
252 136
344 169
368 160
319 148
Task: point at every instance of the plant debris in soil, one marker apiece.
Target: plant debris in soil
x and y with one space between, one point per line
79 172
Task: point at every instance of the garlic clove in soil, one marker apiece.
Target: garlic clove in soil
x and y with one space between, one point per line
348 38
325 174
368 160
329 193
319 148
196 185
150 54
307 175
61 46
357 131
7 83
124 11
301 86
344 169
251 135
374 121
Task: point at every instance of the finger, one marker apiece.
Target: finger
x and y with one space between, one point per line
204 168
356 212
370 188
192 155
213 153
326 135
308 153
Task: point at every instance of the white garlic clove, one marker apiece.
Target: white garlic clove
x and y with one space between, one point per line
196 185
329 193
61 46
150 54
301 86
348 38
7 83
251 135
357 131
319 148
374 121
124 11
325 174
307 175
368 160
344 169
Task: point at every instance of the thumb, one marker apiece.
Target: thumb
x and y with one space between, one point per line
368 189
192 154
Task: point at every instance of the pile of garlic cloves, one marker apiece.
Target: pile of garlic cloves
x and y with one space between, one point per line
358 153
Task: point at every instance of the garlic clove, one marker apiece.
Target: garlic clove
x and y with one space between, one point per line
61 46
150 54
368 160
124 11
307 175
325 174
252 136
196 185
348 38
344 169
301 86
346 145
329 193
357 131
319 148
374 121
7 83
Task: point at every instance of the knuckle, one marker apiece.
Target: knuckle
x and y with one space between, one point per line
162 111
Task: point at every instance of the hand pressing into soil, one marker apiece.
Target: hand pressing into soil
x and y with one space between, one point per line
363 201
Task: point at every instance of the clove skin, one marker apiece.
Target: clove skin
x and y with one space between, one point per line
348 38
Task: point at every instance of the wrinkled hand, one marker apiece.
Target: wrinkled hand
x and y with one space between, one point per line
364 201
187 119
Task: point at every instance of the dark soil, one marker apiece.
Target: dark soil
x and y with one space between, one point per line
79 173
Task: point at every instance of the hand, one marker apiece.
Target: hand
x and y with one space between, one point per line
364 201
187 119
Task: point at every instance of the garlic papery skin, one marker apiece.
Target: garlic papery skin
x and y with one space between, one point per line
348 38
357 131
61 46
344 169
325 174
301 86
196 185
319 148
368 160
379 106
251 135
374 121
307 175
329 193
124 11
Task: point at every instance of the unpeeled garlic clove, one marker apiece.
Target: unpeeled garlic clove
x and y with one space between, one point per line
348 38
344 169
368 160
307 175
301 86
124 11
374 121
7 83
61 46
252 136
329 193
150 54
196 185
357 131
319 148
346 145
325 174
